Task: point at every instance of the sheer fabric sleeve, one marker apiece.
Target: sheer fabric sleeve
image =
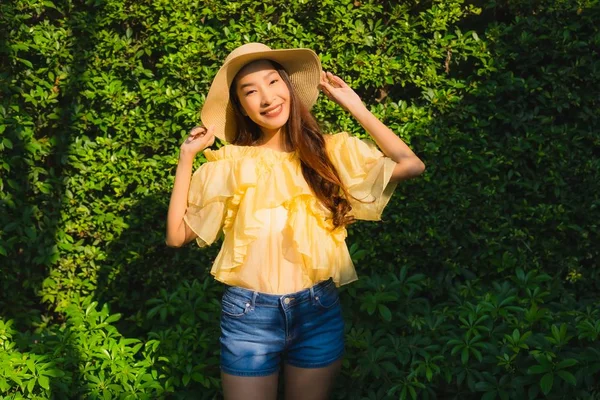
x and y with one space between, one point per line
366 173
207 198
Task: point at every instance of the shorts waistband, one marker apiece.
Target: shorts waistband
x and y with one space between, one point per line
254 297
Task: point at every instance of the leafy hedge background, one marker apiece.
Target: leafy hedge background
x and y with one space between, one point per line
482 281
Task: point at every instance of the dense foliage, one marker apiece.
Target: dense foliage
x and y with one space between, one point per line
481 282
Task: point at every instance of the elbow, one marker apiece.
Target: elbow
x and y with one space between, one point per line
419 167
408 169
415 168
172 243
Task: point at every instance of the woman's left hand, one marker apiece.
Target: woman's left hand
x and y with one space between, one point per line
338 91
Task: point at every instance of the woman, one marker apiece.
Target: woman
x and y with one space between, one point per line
282 194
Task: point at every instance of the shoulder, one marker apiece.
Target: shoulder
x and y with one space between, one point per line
344 141
335 138
333 141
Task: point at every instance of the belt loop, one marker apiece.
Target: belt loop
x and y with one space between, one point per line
254 296
312 294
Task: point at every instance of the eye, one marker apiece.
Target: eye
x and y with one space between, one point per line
274 80
249 92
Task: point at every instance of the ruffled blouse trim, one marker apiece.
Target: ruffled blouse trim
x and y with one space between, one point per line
365 172
233 152
229 191
267 188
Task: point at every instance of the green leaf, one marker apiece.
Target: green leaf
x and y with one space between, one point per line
44 382
538 369
464 357
26 62
385 312
566 363
31 385
31 365
489 396
567 377
413 393
55 373
484 386
546 383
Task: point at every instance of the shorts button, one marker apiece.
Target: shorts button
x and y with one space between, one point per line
287 300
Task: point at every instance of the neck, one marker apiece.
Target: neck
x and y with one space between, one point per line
272 139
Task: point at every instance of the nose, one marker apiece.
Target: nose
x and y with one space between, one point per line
266 97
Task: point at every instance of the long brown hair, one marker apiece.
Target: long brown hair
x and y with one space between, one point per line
301 133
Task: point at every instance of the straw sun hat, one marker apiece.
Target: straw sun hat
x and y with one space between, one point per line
302 65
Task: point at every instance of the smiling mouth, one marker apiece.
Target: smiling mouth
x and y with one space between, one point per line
274 112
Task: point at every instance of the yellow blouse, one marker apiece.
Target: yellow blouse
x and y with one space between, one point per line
278 237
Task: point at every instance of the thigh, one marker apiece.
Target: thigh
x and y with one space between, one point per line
249 387
310 383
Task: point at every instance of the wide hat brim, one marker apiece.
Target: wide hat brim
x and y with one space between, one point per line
302 65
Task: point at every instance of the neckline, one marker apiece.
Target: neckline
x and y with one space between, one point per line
263 149
273 150
233 151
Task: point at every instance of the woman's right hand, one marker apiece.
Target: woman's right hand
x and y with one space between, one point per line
199 139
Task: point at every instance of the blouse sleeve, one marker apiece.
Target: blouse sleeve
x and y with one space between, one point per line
366 173
206 202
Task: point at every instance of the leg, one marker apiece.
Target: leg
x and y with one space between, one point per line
249 387
315 357
310 383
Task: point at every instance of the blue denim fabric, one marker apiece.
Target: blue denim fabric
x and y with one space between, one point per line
259 330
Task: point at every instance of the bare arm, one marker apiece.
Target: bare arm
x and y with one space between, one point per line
408 165
178 232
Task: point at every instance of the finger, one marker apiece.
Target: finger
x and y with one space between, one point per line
195 133
197 130
328 94
339 81
211 141
211 130
336 81
325 83
323 79
330 80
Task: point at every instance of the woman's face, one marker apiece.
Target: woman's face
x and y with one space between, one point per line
263 95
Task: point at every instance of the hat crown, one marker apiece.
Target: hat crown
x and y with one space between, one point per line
247 48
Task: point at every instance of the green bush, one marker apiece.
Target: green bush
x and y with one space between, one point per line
86 357
481 282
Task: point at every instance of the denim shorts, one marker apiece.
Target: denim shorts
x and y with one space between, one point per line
259 330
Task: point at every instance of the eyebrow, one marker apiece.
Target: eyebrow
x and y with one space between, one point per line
251 84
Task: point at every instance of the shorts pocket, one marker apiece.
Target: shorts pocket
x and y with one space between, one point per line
328 298
234 307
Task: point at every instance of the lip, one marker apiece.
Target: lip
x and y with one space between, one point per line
275 114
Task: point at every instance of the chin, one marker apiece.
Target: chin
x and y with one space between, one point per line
279 123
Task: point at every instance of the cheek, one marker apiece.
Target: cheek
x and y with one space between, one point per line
249 104
245 108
